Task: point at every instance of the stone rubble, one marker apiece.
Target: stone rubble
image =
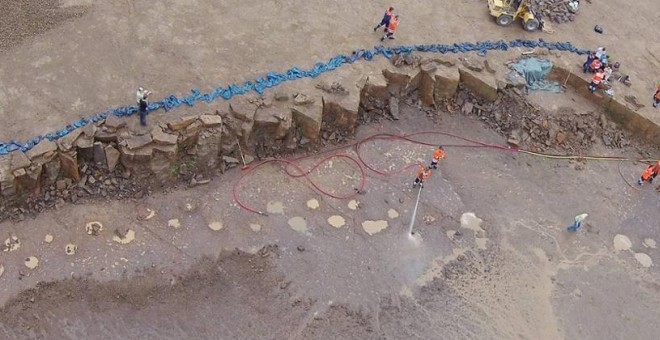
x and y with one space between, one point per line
112 159
528 126
554 10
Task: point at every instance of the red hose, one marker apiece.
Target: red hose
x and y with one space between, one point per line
298 171
361 163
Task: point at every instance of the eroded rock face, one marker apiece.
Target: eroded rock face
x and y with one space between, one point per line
271 123
242 110
340 112
161 138
483 84
308 119
208 150
69 162
446 83
161 164
7 188
402 81
40 149
181 123
427 84
111 157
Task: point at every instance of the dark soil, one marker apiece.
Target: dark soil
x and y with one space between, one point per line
23 19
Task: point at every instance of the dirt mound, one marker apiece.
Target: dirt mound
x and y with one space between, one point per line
239 289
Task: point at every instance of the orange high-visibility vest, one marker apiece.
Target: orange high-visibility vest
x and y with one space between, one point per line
656 168
423 173
595 64
393 23
647 173
437 154
598 77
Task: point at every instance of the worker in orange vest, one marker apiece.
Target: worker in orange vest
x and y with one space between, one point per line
596 80
394 22
422 174
438 154
595 65
650 173
656 97
385 22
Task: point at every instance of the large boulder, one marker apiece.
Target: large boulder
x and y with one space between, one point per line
208 150
45 146
115 122
446 83
85 147
69 163
111 157
18 160
271 123
7 186
138 141
99 155
340 112
161 164
308 119
241 109
27 179
105 135
376 88
51 170
67 142
136 160
427 83
211 120
181 123
483 84
403 80
161 138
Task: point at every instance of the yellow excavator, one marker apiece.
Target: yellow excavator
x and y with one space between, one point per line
506 11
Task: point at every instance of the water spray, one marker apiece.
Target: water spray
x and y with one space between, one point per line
414 214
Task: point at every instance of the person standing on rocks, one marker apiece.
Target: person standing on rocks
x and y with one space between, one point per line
422 174
438 154
143 104
385 22
394 22
577 223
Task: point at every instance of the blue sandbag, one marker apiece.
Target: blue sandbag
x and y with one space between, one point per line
273 79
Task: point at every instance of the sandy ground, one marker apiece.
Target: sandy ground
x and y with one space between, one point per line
96 62
515 274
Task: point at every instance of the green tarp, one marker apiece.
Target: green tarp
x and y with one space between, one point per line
535 71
